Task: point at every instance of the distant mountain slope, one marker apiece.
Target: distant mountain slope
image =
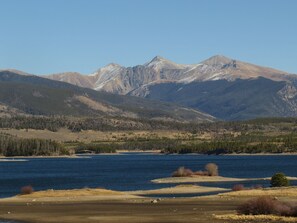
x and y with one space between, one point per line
40 96
223 87
122 80
239 99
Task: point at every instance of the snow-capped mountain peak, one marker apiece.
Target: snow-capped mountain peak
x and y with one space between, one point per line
121 80
159 63
218 60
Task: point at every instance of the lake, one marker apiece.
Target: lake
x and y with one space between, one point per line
133 171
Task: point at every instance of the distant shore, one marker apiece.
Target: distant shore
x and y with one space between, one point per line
260 154
8 158
140 151
12 160
121 152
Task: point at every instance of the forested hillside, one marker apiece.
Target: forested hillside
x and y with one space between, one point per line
271 135
14 146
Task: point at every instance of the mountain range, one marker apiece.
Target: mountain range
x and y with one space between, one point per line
220 86
22 93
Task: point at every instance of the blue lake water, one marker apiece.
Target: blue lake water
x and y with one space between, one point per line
133 171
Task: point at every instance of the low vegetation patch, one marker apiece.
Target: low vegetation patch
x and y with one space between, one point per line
257 192
266 205
256 218
239 187
211 169
27 190
279 180
73 193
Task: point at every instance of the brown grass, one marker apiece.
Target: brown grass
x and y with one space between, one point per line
256 218
72 193
274 192
238 187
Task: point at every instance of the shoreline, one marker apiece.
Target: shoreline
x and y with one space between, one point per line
260 154
182 189
43 157
206 179
150 152
157 151
13 160
105 206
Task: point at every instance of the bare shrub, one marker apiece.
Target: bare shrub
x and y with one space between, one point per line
282 209
294 211
27 190
238 187
262 205
182 172
267 205
257 186
212 169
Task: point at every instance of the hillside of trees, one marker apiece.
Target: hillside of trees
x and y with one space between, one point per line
13 146
244 144
269 135
121 124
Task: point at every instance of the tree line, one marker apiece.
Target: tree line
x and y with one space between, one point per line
251 144
75 124
13 146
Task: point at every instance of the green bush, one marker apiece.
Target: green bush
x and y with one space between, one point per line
279 180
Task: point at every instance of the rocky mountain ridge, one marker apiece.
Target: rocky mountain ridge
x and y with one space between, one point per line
33 95
220 86
117 79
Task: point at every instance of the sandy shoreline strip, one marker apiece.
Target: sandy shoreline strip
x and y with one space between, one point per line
13 160
198 179
206 179
180 189
73 195
274 192
99 194
43 157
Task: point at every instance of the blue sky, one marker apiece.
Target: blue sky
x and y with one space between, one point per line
49 36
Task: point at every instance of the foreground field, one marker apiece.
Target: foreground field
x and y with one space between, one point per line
99 205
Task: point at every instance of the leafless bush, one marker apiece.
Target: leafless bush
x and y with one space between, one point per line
27 190
212 169
267 205
282 209
261 205
257 186
182 172
238 187
294 211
